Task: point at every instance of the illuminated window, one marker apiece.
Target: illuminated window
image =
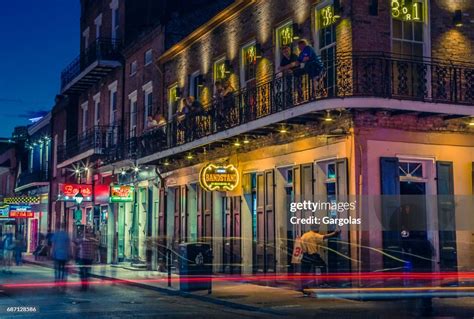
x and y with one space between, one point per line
220 71
249 62
326 44
326 16
173 100
407 28
284 37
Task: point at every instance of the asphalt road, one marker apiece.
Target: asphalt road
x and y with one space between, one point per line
101 301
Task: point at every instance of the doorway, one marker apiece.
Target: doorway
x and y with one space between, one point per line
231 235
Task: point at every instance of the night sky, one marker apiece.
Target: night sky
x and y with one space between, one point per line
37 40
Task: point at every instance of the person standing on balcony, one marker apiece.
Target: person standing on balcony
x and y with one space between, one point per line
288 63
228 103
311 64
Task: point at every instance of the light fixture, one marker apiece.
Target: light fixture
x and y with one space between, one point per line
457 18
296 31
228 66
79 198
246 140
471 123
237 143
77 171
283 129
86 169
337 9
136 169
328 117
189 156
258 51
166 163
123 172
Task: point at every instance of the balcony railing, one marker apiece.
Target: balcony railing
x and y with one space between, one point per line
356 75
26 178
99 140
102 49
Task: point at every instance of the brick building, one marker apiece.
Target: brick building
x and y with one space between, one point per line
390 115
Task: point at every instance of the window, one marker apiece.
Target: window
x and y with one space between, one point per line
133 68
410 170
133 113
284 37
96 99
113 103
85 114
98 24
173 100
148 57
249 63
114 6
148 101
195 85
85 36
407 29
326 44
220 71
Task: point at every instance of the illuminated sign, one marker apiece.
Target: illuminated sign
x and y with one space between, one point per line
326 17
407 10
68 192
286 35
4 211
121 193
219 178
22 200
21 211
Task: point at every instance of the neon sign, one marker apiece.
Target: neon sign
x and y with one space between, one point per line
121 193
68 192
22 200
407 10
326 17
219 177
4 211
19 211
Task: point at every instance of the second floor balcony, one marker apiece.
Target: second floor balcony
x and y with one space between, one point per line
97 142
95 62
32 178
351 81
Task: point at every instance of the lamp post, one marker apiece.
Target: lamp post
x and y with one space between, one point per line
78 215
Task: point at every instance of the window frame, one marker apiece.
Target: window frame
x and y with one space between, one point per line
150 52
243 80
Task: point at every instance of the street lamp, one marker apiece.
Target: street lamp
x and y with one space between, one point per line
79 198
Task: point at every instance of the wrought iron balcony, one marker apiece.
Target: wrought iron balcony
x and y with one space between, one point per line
98 141
367 75
91 65
27 178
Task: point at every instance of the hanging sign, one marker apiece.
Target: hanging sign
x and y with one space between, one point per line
4 211
121 193
21 211
68 192
219 177
22 200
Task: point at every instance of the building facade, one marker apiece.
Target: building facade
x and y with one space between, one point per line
387 124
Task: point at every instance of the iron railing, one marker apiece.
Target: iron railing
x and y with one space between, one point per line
101 49
102 140
355 75
28 177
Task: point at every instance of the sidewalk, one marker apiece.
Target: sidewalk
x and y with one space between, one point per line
235 294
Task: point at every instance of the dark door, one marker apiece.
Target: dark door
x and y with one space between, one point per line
207 218
260 227
270 240
231 239
184 213
177 218
199 212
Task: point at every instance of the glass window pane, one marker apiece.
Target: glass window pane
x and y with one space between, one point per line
418 31
408 30
406 48
418 49
397 47
397 29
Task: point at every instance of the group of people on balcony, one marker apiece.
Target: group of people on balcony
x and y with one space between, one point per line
295 66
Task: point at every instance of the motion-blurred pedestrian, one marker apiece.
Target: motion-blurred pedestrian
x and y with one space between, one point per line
86 245
61 246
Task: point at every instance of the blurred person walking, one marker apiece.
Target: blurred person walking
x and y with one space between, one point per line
86 254
60 252
8 249
18 250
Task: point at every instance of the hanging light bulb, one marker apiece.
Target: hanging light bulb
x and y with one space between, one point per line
246 140
189 156
237 143
328 117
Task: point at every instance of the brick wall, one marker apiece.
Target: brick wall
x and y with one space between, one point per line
447 41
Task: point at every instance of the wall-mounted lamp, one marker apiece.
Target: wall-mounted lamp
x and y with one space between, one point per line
201 81
338 9
178 92
228 67
457 18
296 31
258 51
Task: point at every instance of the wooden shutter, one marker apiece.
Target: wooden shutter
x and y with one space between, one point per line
390 203
207 218
162 227
184 213
260 240
199 212
270 240
236 235
177 217
307 191
446 215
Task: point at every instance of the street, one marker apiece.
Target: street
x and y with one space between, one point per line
101 301
30 286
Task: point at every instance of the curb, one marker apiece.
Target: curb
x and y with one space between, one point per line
170 292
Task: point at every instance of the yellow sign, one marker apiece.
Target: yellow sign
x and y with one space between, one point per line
407 10
22 200
219 177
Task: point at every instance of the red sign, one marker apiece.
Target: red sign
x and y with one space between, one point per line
17 211
101 194
68 192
